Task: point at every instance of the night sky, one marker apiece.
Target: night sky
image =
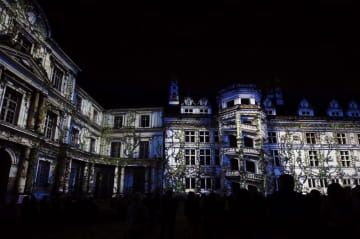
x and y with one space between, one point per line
130 50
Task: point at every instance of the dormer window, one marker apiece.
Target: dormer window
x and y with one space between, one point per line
245 101
23 44
353 105
304 104
334 104
57 78
305 109
267 103
230 103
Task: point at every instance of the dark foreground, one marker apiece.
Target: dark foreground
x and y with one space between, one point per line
245 214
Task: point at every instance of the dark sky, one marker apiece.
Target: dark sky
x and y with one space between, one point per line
129 50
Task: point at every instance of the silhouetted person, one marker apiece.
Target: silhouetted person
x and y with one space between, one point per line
168 215
137 217
336 212
286 209
192 213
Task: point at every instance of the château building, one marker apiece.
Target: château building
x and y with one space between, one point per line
55 138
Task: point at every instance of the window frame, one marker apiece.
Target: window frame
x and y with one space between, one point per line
205 157
345 158
57 81
313 158
204 136
6 109
190 157
190 136
117 153
145 121
341 138
49 132
310 137
272 137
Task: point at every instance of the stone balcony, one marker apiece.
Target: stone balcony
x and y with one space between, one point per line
246 175
251 151
230 150
248 127
232 173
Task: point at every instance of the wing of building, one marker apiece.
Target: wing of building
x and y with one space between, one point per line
55 138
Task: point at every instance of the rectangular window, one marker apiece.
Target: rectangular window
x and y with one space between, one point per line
118 122
250 166
78 103
323 182
345 159
11 106
313 158
57 77
357 181
205 183
347 182
190 136
272 137
217 183
216 136
42 176
115 149
358 138
276 158
312 182
92 145
145 121
335 180
341 139
204 136
230 103
205 157
23 44
245 101
95 115
50 123
190 156
74 137
310 138
190 183
217 157
144 150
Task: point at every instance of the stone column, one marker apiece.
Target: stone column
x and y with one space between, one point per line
23 170
67 173
91 178
116 181
153 180
33 110
146 179
85 181
41 114
122 179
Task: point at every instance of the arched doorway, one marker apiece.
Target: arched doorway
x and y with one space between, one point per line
5 164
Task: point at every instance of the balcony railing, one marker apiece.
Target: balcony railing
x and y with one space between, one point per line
230 150
232 173
251 151
254 176
249 127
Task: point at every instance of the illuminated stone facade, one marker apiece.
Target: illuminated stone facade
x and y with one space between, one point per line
55 138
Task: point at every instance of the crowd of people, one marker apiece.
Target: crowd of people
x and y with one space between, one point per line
248 214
